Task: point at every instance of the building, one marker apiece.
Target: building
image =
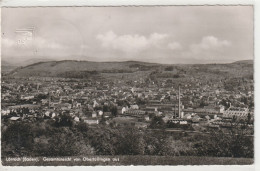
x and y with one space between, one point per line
135 112
94 114
134 107
240 113
202 112
91 121
179 121
124 109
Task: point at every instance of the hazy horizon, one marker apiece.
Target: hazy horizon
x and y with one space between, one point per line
167 35
31 61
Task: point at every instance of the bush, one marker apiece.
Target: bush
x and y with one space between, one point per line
130 142
19 139
223 144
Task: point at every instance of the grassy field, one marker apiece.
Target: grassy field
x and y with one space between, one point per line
134 160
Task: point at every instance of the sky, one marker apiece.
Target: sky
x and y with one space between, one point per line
170 35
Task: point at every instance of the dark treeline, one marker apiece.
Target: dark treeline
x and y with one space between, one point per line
62 137
78 74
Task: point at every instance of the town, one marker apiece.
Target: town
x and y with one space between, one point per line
117 102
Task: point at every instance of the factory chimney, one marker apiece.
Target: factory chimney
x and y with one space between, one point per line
179 103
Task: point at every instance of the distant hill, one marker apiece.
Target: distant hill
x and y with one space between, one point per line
11 61
244 62
6 66
134 70
59 68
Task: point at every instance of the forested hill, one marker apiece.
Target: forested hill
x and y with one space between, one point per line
81 69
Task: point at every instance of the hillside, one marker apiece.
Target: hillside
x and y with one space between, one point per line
59 68
244 62
135 69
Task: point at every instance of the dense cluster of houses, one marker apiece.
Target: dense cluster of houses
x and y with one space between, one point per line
115 102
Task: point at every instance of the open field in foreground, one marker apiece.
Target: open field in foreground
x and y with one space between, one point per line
131 160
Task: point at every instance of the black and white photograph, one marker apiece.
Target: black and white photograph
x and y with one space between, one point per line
127 85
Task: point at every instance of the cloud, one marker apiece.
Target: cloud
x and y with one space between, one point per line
131 43
209 43
46 44
209 48
174 46
157 39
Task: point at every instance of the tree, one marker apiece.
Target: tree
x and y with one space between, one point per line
19 138
140 101
102 120
114 111
103 139
64 120
169 68
154 142
244 100
105 108
249 118
130 142
65 142
226 143
41 96
82 127
157 122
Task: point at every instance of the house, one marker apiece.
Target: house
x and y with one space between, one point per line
146 118
94 114
47 113
76 119
27 97
5 112
207 117
124 109
95 104
134 107
139 95
44 101
15 118
53 115
100 112
92 121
